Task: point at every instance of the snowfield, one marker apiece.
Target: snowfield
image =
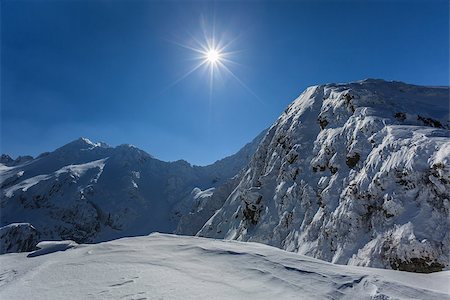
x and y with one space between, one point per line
162 266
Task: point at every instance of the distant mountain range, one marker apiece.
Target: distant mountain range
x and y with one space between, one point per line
91 192
353 173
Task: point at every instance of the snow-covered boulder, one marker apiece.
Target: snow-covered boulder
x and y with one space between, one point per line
47 247
18 237
354 173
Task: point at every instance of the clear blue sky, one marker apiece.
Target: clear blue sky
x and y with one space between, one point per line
104 69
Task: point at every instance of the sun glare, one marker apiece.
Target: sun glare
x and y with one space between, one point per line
213 56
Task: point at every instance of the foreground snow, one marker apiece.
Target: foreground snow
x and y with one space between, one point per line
163 266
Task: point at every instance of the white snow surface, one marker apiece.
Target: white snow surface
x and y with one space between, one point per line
75 171
162 266
47 247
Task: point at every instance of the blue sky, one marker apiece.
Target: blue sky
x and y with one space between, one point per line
105 69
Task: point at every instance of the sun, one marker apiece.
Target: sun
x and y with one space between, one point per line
212 56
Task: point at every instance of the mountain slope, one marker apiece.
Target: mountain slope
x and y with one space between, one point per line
18 237
90 192
354 173
174 267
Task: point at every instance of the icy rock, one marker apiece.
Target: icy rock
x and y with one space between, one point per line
18 237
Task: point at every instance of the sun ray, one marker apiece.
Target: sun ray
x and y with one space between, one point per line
183 76
187 47
215 55
240 82
229 43
232 62
199 43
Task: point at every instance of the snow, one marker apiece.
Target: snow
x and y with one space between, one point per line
25 185
48 247
75 170
4 168
80 170
163 266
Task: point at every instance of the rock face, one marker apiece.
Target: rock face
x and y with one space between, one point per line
355 174
18 237
91 192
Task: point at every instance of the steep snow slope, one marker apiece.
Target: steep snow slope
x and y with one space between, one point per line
174 267
354 173
92 192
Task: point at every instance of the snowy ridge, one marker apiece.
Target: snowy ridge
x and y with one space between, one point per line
174 267
354 173
91 192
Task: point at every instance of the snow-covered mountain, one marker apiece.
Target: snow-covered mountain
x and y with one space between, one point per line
355 173
174 267
91 192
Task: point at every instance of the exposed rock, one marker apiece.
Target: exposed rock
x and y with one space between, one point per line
352 160
6 159
400 116
429 122
18 237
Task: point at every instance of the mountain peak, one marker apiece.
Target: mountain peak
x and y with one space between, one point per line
8 161
87 141
5 159
131 151
83 143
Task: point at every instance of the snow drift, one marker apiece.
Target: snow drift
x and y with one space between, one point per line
174 267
